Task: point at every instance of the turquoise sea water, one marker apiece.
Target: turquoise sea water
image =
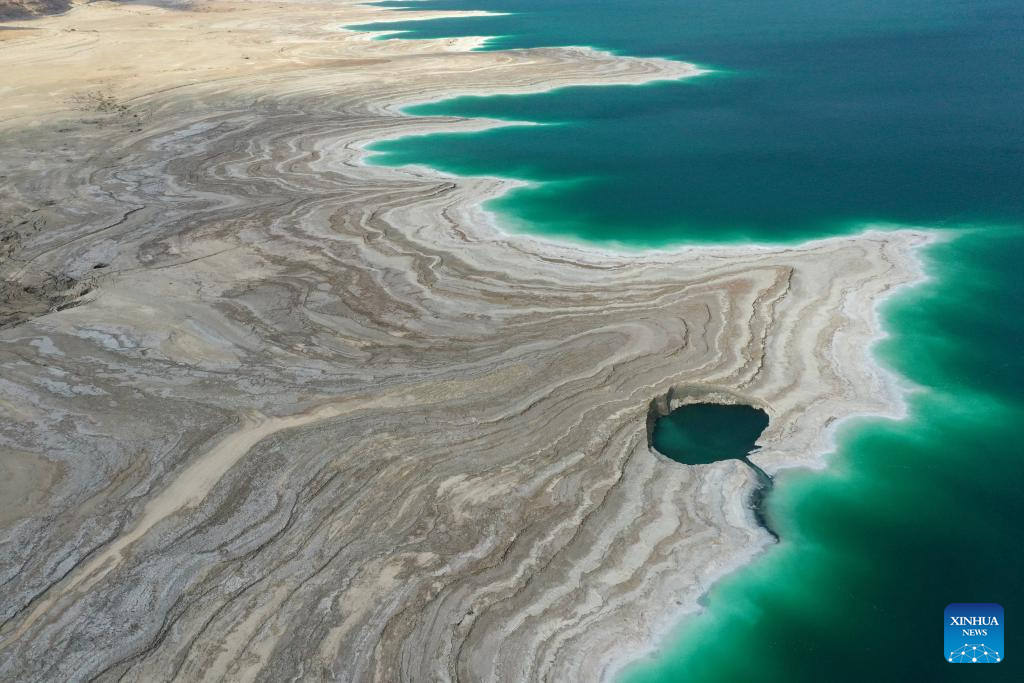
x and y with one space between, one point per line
821 117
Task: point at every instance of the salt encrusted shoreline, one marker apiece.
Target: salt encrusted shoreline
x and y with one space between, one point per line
303 416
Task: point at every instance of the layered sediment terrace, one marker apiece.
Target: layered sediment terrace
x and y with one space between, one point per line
272 413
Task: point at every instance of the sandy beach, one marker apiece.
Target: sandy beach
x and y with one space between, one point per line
271 413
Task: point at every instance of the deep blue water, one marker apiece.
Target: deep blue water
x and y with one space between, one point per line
823 116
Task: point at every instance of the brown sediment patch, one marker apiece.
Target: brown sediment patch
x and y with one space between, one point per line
21 302
26 482
26 9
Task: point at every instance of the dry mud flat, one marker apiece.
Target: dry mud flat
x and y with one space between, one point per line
269 413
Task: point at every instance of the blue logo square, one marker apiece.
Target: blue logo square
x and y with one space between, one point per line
973 633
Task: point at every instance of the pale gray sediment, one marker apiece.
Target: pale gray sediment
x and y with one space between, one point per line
306 419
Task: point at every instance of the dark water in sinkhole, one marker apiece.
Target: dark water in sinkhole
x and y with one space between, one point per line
703 433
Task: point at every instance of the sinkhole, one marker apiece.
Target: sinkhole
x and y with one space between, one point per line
702 433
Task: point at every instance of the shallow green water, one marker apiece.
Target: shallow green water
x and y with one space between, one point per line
703 433
823 116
